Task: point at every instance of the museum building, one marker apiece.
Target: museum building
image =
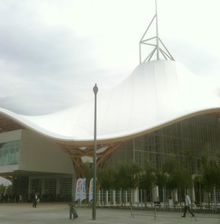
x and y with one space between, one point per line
161 111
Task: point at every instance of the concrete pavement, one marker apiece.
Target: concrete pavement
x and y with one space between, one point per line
58 213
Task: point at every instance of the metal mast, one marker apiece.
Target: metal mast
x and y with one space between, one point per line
155 43
157 34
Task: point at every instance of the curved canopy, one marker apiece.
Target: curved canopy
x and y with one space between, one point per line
157 93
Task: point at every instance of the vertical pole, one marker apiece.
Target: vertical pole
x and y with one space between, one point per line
133 145
95 90
157 34
29 188
73 185
215 199
140 59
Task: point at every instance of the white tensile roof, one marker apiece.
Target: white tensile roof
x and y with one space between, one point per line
156 94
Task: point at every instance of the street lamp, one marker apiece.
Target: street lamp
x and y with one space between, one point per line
95 90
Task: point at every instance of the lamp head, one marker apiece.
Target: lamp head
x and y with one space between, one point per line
95 89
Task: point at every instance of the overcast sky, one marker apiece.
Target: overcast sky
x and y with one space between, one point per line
53 51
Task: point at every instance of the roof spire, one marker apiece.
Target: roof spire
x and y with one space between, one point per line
158 45
157 35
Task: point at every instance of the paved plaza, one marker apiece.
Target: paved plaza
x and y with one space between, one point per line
58 214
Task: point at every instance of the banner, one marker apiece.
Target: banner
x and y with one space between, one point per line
91 189
83 190
78 189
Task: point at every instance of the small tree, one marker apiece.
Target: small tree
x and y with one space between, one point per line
162 181
147 180
211 177
127 176
179 176
106 177
211 174
198 183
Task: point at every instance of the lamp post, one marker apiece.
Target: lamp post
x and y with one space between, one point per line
95 90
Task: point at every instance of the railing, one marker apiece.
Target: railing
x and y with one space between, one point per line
136 201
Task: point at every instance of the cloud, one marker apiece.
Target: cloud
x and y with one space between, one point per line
52 52
194 56
41 66
46 66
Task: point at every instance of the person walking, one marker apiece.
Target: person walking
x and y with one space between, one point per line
35 200
187 206
72 212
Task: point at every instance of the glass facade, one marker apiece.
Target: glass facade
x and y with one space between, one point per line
51 188
185 141
9 153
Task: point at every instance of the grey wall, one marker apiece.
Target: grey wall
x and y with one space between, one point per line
10 136
41 154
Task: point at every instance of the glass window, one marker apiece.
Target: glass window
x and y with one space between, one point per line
9 153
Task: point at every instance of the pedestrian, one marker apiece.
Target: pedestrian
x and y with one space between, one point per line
187 206
72 212
35 200
20 198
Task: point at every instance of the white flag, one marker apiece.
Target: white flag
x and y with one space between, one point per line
78 189
83 190
91 189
